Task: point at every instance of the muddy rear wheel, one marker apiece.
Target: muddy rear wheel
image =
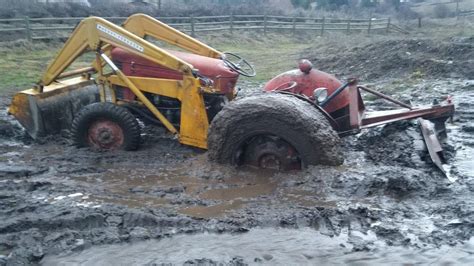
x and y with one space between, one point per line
105 126
273 130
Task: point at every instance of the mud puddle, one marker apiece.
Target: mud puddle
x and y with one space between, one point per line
266 246
205 192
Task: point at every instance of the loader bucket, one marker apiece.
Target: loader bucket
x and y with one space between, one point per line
50 111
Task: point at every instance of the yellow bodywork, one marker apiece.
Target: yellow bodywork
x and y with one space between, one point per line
99 35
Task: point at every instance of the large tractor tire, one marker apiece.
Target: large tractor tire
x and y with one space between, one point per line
273 131
105 126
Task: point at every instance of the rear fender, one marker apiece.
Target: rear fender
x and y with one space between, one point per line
306 83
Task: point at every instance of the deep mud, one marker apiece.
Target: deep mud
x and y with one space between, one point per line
385 204
429 58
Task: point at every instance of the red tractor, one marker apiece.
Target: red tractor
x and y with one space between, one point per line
302 125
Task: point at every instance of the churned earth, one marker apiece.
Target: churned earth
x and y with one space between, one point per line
166 203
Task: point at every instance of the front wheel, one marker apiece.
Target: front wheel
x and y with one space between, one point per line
273 131
105 126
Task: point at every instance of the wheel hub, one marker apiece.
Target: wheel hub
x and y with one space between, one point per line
270 161
270 152
104 134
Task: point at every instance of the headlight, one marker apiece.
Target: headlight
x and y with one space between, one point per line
320 95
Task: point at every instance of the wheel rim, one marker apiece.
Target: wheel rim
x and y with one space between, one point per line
270 152
105 134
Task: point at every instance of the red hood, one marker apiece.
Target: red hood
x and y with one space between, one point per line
133 65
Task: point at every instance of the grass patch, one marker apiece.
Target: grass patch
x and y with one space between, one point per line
22 64
270 56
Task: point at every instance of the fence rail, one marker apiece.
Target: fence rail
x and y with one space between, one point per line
466 13
58 28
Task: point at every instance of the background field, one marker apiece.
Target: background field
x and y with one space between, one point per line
22 63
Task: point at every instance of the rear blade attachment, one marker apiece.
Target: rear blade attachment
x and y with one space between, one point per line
434 147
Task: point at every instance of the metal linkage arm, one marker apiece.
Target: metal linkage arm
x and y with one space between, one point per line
140 95
143 25
93 33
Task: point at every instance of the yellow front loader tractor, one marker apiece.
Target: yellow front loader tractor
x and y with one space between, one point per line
180 90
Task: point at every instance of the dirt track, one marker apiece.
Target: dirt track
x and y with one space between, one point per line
55 198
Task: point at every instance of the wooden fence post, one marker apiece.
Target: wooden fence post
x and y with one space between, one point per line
457 9
265 24
322 26
192 26
29 36
388 25
370 25
294 25
231 20
348 26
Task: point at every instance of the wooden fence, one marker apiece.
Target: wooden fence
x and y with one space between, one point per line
54 28
466 13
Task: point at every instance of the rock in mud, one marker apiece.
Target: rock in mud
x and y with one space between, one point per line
139 233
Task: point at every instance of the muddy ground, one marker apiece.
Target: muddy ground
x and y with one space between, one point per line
57 199
394 58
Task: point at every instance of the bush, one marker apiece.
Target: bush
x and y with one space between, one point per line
332 4
405 12
68 10
105 9
368 3
441 11
7 13
34 11
305 4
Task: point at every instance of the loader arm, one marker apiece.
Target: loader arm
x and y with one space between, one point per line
143 25
93 33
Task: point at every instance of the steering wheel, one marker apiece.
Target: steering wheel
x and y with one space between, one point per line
238 64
